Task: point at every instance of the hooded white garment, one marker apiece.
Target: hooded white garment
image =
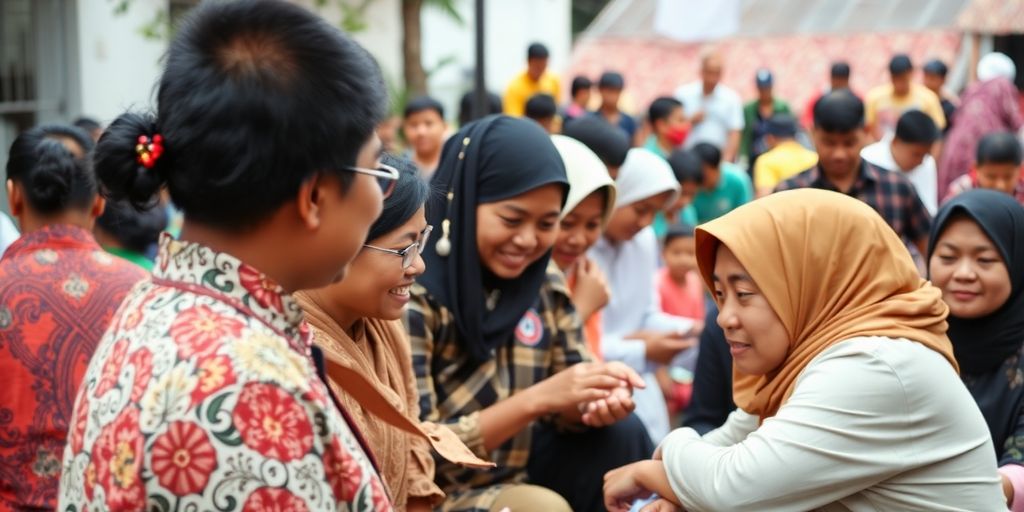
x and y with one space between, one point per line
630 268
587 174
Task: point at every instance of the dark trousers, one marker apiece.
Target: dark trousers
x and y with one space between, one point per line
573 464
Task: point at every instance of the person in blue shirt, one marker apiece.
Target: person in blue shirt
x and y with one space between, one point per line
610 87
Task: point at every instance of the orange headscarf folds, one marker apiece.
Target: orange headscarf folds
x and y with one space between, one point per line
832 270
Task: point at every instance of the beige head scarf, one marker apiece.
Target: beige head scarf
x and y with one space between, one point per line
832 270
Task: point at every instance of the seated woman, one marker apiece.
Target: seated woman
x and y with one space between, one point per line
130 233
496 345
845 380
357 324
587 210
58 292
976 257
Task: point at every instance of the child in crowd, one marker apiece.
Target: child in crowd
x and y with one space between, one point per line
997 166
679 287
424 127
580 90
610 87
689 172
668 126
588 207
724 188
541 108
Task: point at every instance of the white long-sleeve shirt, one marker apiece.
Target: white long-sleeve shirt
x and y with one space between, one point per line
630 268
924 177
873 424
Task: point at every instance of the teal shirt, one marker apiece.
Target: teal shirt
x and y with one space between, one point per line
661 222
734 189
652 146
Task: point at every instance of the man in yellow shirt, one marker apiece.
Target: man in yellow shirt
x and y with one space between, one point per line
886 103
785 158
534 80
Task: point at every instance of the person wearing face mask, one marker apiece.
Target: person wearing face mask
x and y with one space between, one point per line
976 256
497 347
357 324
848 393
636 332
668 126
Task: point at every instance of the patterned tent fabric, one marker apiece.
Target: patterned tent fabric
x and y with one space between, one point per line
655 67
995 17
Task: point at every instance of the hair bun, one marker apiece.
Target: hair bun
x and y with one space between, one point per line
48 184
129 159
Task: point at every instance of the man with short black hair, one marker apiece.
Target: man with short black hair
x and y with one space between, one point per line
535 79
935 80
838 79
610 87
424 128
755 117
886 103
908 152
668 126
785 158
580 96
839 135
541 109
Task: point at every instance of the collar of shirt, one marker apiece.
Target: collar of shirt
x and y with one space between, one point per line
202 270
868 173
54 236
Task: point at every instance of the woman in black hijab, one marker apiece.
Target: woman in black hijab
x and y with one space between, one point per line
976 256
497 347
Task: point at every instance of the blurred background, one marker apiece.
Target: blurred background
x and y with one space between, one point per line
61 59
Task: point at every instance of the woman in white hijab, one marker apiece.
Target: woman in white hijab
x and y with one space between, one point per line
989 105
634 330
588 208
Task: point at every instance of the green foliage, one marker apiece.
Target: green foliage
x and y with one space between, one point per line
447 7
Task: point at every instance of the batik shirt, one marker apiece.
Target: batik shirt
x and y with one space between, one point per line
204 395
454 387
58 291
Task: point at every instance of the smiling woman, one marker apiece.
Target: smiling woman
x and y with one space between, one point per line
356 323
976 257
496 343
843 375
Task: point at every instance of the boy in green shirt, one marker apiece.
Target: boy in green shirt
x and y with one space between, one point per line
724 188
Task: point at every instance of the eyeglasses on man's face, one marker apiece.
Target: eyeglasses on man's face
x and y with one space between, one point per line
386 176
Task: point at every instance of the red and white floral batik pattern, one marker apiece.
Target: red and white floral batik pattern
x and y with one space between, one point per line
203 395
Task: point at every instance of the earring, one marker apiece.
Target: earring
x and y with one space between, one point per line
444 245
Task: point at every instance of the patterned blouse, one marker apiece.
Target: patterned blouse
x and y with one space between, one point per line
204 395
58 291
454 388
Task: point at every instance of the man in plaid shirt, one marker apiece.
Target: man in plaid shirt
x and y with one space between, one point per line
839 136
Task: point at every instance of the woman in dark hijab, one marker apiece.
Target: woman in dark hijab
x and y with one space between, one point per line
497 347
976 256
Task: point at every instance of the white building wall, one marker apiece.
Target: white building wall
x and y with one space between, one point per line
118 66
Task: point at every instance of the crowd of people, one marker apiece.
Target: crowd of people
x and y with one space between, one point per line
253 297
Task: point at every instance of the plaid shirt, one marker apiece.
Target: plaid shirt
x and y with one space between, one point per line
888 193
454 388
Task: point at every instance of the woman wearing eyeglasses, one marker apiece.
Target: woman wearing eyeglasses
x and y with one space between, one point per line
356 322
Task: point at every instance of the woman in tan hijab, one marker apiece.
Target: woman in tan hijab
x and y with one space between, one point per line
845 380
357 325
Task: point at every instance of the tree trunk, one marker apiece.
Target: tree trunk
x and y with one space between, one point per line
412 61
